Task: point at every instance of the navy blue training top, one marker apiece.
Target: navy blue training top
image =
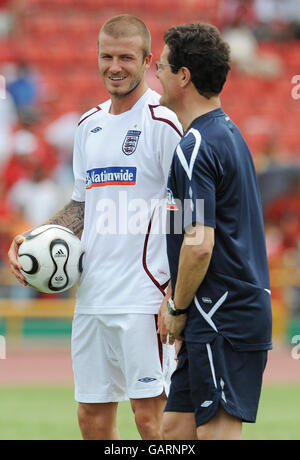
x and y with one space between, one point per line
213 181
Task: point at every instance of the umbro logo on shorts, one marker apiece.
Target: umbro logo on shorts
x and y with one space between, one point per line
147 379
206 403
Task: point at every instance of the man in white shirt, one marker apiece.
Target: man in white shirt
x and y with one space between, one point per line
122 154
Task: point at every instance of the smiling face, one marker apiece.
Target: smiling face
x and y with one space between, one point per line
121 63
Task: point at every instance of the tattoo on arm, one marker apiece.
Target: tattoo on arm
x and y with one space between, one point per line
71 216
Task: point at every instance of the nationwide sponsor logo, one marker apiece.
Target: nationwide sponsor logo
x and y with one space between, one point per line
114 175
131 141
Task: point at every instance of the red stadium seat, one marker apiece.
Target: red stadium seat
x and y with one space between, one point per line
60 36
43 27
8 51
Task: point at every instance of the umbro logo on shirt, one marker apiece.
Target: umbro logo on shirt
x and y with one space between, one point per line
206 300
147 379
96 130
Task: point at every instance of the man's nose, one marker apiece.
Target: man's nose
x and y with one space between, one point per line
115 65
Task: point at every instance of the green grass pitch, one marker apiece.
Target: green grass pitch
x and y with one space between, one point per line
50 414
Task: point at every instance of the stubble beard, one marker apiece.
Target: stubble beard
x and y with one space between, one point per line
133 86
118 95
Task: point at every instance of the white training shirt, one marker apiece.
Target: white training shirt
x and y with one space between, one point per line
121 163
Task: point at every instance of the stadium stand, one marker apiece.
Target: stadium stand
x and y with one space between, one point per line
57 40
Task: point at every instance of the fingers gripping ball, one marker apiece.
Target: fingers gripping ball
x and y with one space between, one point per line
51 258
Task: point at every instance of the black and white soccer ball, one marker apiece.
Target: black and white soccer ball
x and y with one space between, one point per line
51 258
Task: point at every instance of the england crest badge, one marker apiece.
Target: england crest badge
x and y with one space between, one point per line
130 142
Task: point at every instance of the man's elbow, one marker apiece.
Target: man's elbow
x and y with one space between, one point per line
202 252
201 243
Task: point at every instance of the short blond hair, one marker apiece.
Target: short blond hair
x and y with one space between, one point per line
126 25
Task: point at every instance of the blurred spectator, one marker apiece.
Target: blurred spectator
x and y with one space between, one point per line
278 19
272 155
245 53
8 120
60 133
6 217
20 164
6 18
285 211
36 198
282 224
24 85
231 11
287 11
29 148
11 224
290 227
273 240
239 19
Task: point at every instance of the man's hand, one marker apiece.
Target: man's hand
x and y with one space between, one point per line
175 326
161 326
13 258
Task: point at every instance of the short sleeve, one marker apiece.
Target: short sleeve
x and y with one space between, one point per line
193 180
167 134
79 169
169 142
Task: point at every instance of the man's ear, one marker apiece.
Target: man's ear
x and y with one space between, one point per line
148 60
185 77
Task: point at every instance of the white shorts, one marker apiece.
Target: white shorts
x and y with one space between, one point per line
119 357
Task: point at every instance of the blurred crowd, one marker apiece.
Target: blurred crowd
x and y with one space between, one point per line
35 163
37 124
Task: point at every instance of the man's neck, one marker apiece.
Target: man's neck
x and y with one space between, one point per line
123 104
192 108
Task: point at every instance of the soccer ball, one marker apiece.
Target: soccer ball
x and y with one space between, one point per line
51 258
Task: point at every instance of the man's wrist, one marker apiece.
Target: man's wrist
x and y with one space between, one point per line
173 310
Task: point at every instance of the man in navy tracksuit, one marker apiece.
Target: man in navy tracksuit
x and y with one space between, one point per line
221 299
